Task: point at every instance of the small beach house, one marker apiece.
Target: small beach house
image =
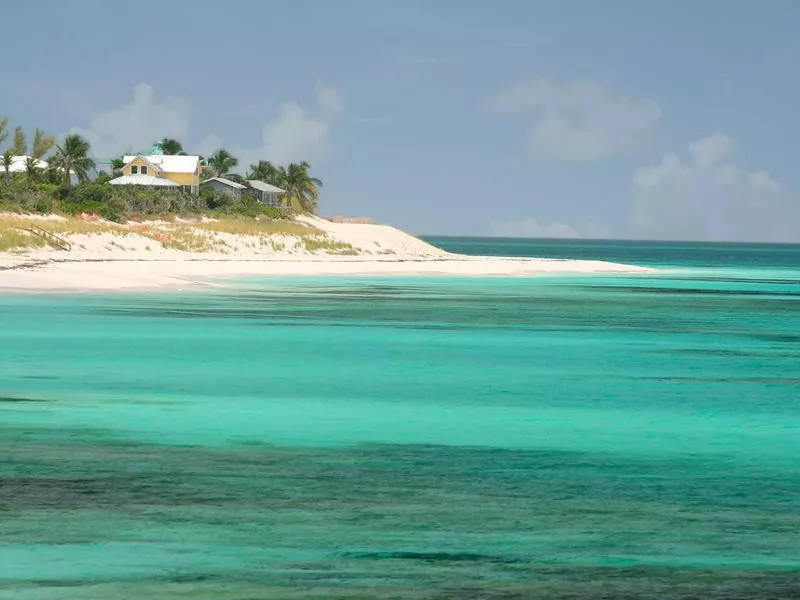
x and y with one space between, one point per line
266 193
221 185
160 170
263 192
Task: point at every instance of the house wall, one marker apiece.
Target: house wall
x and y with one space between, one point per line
271 199
268 198
192 179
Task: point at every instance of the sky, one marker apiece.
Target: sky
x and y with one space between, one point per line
627 119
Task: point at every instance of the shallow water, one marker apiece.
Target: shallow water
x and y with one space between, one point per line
560 437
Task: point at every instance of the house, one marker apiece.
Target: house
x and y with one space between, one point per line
220 185
19 164
265 193
161 170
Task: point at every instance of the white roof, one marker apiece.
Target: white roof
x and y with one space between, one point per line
143 180
227 182
169 163
19 164
265 187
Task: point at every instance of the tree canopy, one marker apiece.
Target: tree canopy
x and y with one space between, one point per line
72 156
222 162
171 146
3 130
42 144
19 146
302 190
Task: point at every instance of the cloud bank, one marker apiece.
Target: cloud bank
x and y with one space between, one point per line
710 197
135 126
577 120
533 228
293 134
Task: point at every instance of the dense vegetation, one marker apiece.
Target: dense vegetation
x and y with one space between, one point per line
53 189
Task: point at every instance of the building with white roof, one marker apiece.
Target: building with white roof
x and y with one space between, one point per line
156 170
266 193
19 164
146 180
263 192
221 185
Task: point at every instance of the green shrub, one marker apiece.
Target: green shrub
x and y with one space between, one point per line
247 206
118 203
20 194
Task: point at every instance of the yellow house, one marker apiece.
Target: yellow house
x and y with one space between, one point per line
161 170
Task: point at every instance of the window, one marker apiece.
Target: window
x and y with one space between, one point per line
134 170
144 170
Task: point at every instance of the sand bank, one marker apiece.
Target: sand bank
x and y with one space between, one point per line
129 259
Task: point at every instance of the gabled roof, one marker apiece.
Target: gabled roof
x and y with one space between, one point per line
265 187
151 180
228 182
168 162
19 164
146 159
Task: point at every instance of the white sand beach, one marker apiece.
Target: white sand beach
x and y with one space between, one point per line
144 256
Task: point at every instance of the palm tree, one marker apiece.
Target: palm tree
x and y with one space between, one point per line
3 131
302 190
41 144
171 146
265 171
32 168
222 161
116 165
73 157
20 145
5 161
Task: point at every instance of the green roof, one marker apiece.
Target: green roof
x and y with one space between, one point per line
156 149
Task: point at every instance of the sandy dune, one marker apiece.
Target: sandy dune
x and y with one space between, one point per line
127 260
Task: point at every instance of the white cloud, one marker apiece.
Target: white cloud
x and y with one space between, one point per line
710 197
578 120
136 126
327 97
208 145
292 136
763 181
712 150
295 134
532 228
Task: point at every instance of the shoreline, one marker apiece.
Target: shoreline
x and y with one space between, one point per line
107 257
107 274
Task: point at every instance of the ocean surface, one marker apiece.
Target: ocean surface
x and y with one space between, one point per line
446 438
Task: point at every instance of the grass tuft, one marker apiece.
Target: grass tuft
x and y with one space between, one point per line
328 246
259 227
17 239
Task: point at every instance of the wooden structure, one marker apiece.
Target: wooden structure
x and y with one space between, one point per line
50 237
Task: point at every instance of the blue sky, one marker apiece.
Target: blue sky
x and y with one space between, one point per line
635 119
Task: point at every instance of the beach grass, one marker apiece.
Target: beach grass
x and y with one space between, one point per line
259 227
277 235
316 244
18 239
187 239
60 226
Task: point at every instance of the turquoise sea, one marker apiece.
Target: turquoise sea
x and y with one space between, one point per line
407 437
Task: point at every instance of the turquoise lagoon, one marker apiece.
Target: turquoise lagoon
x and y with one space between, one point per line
406 437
